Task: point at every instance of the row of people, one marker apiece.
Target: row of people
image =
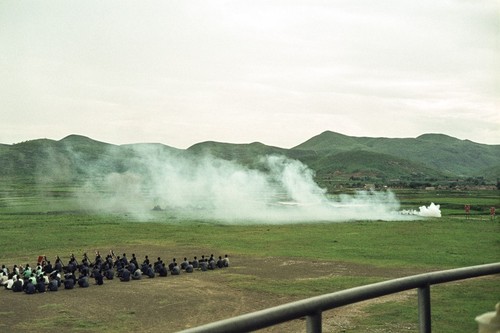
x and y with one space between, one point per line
47 277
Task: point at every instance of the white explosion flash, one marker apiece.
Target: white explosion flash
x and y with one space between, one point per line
431 211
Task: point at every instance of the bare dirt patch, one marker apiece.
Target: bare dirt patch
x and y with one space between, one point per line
173 303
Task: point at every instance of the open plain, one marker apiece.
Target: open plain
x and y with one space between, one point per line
270 265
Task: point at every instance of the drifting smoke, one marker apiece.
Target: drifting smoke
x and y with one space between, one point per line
275 190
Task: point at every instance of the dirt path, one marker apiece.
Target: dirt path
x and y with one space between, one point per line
174 303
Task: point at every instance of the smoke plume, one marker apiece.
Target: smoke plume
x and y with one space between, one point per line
275 190
432 210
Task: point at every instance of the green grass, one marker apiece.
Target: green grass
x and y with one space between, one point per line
454 307
34 225
303 288
70 320
452 202
433 243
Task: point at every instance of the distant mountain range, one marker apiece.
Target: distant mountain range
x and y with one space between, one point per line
335 158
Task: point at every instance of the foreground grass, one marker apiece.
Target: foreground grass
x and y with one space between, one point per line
454 307
424 245
49 223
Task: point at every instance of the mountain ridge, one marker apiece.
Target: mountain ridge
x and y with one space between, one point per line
332 156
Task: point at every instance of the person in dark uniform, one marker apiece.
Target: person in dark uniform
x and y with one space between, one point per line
132 267
58 265
109 260
175 269
144 268
55 276
157 264
18 285
172 264
150 272
203 265
137 275
99 278
69 276
48 267
195 263
162 271
53 284
83 281
109 273
134 260
98 261
85 269
118 264
30 288
189 268
124 260
71 267
69 283
40 285
220 262
125 277
184 263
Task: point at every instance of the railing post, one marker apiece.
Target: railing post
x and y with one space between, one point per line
313 323
313 307
424 309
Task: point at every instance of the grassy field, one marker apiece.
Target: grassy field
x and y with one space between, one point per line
32 225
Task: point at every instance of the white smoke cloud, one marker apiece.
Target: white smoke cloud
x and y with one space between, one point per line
432 210
116 192
278 190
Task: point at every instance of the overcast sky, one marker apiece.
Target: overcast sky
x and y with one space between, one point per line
277 72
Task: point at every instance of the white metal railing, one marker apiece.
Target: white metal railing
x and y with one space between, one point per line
312 308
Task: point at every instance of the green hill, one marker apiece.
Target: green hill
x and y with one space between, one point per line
246 154
369 163
331 142
334 157
445 154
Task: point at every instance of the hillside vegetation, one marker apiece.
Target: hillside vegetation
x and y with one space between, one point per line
338 160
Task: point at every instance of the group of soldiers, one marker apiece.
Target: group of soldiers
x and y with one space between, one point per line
46 276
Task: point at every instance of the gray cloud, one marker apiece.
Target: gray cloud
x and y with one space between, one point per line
242 71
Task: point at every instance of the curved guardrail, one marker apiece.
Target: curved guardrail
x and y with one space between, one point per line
313 307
